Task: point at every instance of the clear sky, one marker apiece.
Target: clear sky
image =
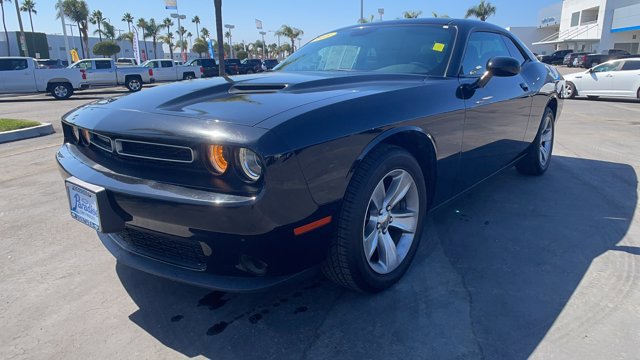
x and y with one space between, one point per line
314 17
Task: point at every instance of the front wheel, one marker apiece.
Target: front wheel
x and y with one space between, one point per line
61 91
538 157
380 222
570 90
134 84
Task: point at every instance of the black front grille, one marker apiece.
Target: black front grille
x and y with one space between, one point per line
173 250
102 142
154 151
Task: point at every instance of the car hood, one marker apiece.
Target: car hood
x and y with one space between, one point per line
251 99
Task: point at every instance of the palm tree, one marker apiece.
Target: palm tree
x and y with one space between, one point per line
218 6
273 49
96 19
107 30
290 32
168 39
30 7
189 36
142 24
153 31
411 14
204 33
128 36
167 23
4 23
78 11
481 11
196 20
128 19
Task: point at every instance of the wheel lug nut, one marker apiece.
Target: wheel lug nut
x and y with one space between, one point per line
388 208
378 226
390 219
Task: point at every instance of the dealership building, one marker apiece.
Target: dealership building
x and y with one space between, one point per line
585 25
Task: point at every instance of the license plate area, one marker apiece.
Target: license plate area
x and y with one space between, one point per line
90 205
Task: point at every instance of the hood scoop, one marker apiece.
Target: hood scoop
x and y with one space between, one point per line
256 88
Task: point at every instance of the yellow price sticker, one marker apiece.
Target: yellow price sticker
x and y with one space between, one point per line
325 36
439 47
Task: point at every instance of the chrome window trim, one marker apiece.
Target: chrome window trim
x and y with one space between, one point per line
119 151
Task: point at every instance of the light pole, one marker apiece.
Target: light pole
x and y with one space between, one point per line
263 44
120 39
177 15
299 39
73 40
64 33
361 11
381 12
230 27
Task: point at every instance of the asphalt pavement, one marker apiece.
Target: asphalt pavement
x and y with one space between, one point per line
542 267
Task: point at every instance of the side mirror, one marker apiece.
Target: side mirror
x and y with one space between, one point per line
499 66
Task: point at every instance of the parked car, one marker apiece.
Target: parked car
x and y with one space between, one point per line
615 78
24 75
122 62
329 160
570 58
104 72
51 64
166 70
210 67
555 58
251 66
233 66
592 60
270 63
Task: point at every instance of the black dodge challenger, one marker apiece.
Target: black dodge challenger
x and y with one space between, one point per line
330 161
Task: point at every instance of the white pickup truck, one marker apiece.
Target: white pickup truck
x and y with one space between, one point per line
22 75
104 72
166 70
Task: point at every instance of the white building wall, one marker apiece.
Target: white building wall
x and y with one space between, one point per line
530 34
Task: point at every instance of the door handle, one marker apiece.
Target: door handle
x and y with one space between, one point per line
609 75
524 86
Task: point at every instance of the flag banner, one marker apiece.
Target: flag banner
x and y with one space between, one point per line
136 47
259 24
74 55
171 4
212 52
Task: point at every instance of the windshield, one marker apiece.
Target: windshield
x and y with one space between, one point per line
407 49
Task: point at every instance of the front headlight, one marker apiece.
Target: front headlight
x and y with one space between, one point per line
216 155
250 164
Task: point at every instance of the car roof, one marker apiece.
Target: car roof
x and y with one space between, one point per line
460 23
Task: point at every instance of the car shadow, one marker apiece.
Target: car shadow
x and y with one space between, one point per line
608 99
496 268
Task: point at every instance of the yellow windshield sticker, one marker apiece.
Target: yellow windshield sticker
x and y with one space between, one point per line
325 36
439 47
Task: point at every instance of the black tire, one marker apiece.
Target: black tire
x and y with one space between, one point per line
249 72
638 94
188 76
133 84
571 90
61 91
532 163
346 264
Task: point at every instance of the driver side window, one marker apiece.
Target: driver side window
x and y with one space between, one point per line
612 66
481 47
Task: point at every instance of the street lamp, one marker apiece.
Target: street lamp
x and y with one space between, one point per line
263 44
361 11
381 12
64 32
230 27
177 15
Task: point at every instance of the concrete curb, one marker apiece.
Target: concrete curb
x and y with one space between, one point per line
13 135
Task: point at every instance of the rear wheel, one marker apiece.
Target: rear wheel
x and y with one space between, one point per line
189 76
134 84
380 222
61 91
570 90
249 71
538 156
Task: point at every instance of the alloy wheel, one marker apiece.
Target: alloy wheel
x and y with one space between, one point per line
546 141
134 85
61 91
390 221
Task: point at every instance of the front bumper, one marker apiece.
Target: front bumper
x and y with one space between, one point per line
214 240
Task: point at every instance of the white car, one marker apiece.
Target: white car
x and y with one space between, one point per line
23 75
104 72
615 78
167 70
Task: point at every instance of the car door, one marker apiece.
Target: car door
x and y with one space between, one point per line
598 81
87 65
16 75
497 115
103 73
168 70
626 80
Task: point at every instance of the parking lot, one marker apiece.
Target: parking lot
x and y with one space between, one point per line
544 267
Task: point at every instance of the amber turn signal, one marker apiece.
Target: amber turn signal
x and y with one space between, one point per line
215 153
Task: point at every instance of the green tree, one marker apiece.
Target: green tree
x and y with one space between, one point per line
97 19
242 54
29 6
128 19
196 20
142 25
292 33
411 14
364 21
128 36
481 11
78 12
153 31
436 15
204 33
168 39
107 30
200 47
285 49
4 23
273 49
106 48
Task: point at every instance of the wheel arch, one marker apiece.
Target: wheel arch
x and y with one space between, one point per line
54 81
419 143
